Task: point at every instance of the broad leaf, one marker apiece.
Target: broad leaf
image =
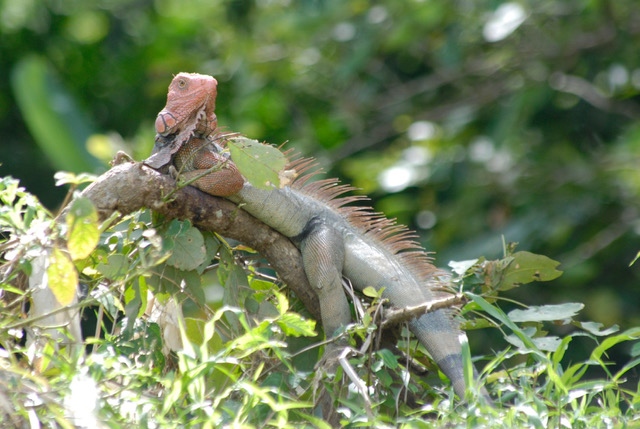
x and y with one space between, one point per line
171 280
66 177
371 292
547 344
461 267
546 312
595 328
188 251
259 163
82 228
296 325
115 267
527 267
63 277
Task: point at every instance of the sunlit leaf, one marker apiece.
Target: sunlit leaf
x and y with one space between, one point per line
283 302
295 325
259 163
371 292
461 267
66 177
628 335
63 277
527 267
546 312
595 328
548 344
82 228
135 298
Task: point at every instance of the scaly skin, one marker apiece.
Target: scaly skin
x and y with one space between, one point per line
334 240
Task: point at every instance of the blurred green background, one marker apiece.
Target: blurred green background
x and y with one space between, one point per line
468 120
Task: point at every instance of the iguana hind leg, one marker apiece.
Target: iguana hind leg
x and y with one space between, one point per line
322 251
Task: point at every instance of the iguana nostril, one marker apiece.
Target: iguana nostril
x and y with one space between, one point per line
165 122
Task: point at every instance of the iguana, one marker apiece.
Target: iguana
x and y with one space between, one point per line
334 238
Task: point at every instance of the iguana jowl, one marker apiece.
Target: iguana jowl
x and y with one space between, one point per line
334 238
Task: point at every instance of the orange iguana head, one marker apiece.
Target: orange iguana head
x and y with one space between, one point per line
190 111
191 104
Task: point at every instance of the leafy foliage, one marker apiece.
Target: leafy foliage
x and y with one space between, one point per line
236 360
260 163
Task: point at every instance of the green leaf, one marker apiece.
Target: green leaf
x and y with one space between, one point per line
461 267
371 292
527 267
116 267
627 367
259 163
295 325
477 323
135 298
9 190
171 280
188 251
546 312
467 366
390 360
628 335
562 348
283 302
82 228
63 277
212 245
234 279
547 344
595 328
66 177
58 126
261 285
498 314
253 307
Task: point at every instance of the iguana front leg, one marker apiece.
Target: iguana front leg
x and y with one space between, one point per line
220 177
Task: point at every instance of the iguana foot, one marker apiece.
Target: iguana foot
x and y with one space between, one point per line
120 158
327 366
173 172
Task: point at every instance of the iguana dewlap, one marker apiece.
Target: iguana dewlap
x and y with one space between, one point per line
334 238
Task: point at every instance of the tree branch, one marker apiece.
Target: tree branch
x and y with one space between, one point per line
397 316
132 185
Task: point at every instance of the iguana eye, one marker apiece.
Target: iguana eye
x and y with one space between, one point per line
182 83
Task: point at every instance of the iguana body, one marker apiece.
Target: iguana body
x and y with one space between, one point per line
335 239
